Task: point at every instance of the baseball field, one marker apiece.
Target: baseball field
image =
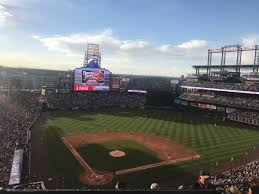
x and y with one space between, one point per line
99 147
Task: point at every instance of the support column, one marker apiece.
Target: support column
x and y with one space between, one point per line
256 58
239 56
223 58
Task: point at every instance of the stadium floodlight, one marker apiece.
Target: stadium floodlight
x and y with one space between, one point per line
92 55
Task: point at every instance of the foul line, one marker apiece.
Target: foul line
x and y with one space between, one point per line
78 157
144 167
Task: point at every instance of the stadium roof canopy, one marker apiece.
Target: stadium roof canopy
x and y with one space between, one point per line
15 176
220 90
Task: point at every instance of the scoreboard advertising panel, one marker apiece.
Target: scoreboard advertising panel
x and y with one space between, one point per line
92 79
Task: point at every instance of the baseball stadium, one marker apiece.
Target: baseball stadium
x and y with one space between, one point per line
96 130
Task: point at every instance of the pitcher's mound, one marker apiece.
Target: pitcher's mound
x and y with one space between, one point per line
117 153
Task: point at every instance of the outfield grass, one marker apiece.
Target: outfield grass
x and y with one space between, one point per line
97 155
214 143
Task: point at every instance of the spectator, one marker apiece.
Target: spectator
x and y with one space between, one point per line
154 186
233 190
203 182
120 186
254 185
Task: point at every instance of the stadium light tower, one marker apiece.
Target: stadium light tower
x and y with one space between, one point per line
92 56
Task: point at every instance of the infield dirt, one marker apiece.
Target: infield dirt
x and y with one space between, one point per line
164 148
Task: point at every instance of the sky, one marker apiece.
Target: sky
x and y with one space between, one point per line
148 37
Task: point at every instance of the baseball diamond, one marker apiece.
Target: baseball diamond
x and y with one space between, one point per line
138 157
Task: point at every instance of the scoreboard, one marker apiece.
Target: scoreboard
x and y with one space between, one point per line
92 79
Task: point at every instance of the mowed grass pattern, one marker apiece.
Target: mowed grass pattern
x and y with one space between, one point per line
197 131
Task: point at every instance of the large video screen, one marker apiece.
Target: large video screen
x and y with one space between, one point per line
95 79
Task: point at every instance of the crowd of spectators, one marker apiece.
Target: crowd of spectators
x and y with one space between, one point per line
240 180
242 177
17 113
249 117
224 85
222 98
57 100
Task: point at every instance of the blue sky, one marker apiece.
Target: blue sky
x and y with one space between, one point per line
154 37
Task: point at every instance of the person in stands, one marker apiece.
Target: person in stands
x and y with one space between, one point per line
120 186
203 183
154 186
232 190
254 185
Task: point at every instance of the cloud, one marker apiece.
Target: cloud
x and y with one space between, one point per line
247 57
16 3
77 42
190 49
250 40
130 56
130 45
4 14
193 44
165 48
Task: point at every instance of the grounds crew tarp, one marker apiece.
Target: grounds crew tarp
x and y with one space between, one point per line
15 176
